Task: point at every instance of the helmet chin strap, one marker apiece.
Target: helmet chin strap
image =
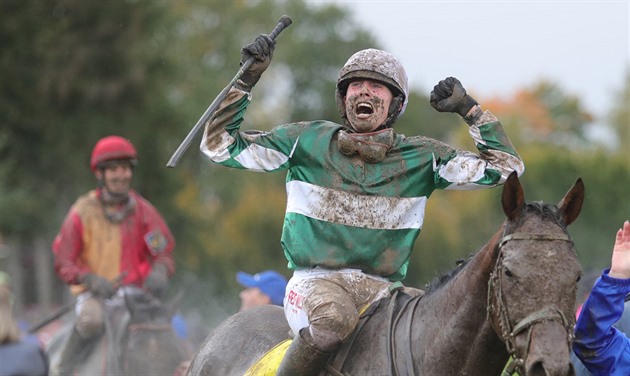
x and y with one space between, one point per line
394 110
116 207
111 198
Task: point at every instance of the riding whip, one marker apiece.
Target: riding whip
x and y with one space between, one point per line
65 309
284 22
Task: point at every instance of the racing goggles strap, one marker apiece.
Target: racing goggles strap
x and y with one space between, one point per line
371 147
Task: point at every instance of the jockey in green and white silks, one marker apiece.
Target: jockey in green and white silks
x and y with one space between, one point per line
356 192
346 213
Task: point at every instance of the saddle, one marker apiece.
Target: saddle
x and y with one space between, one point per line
109 344
397 302
117 318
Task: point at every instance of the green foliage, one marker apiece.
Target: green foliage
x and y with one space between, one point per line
565 112
72 72
420 118
551 172
457 224
619 117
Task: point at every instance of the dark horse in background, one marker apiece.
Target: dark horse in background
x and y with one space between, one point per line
138 339
514 298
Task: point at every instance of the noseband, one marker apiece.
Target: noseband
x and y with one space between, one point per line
508 333
148 327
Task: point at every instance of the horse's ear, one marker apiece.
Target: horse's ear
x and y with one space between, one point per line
513 198
571 204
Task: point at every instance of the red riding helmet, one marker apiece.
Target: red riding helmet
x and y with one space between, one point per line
112 148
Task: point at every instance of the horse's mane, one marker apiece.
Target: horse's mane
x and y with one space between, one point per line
442 279
539 207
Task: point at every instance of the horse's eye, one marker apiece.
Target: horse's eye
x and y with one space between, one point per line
508 273
579 278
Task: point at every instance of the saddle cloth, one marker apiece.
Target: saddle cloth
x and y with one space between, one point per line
269 363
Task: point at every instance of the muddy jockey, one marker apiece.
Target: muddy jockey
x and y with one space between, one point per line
356 191
112 237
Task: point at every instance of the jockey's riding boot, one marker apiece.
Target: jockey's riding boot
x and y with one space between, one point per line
307 356
75 352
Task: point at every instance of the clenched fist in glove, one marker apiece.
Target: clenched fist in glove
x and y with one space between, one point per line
261 49
157 281
98 286
450 96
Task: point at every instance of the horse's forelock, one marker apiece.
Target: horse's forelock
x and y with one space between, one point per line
537 208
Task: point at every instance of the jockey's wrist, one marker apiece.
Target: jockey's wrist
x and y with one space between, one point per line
473 115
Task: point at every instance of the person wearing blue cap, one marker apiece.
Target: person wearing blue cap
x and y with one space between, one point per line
266 287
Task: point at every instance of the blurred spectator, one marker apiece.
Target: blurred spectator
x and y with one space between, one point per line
266 287
17 356
623 325
602 348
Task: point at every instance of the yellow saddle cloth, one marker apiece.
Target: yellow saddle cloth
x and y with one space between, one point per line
268 364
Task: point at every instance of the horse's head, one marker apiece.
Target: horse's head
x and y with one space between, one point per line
532 290
150 345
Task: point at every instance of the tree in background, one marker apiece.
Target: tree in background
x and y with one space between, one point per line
551 136
72 72
619 118
299 84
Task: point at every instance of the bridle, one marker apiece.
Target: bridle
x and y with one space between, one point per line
506 332
148 327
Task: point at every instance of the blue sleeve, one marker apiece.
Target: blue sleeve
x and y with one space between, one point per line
603 349
23 358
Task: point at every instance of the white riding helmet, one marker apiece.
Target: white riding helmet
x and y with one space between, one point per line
380 66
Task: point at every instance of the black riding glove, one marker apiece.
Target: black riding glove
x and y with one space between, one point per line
450 96
262 50
99 286
157 281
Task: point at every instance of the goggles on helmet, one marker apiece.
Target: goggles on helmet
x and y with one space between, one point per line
371 147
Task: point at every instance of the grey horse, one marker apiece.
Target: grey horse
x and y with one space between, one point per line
513 299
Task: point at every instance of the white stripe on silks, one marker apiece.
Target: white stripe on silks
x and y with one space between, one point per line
475 133
466 186
463 170
374 212
219 153
260 158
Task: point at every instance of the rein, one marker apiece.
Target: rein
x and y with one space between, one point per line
148 327
413 302
394 317
508 333
403 318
